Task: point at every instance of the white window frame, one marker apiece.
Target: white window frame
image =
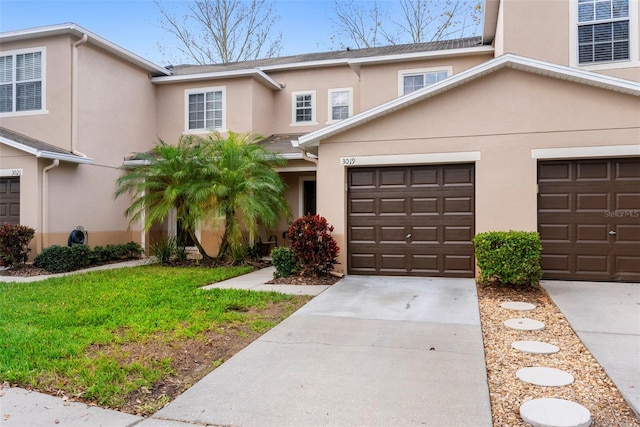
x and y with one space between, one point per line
294 96
330 92
43 82
204 90
416 71
633 61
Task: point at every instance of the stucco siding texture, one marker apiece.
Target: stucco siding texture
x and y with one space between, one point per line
503 116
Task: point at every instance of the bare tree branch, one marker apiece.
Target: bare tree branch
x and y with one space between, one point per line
223 31
365 24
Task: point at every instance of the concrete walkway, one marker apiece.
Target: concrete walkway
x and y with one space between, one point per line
606 317
368 351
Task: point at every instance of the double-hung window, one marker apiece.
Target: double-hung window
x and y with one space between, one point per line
21 81
603 31
205 109
412 80
340 104
304 108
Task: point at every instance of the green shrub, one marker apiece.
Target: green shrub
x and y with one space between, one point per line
284 261
14 244
60 259
313 246
165 249
509 257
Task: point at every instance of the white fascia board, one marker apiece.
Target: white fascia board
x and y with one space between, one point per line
254 72
586 152
70 28
70 158
509 60
479 50
135 163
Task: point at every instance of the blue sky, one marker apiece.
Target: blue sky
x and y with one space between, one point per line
135 24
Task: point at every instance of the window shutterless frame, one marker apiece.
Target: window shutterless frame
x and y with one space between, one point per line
303 108
205 109
22 81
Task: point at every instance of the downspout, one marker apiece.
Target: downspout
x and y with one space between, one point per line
45 190
74 95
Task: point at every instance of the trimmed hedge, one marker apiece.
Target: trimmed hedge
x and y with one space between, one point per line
509 257
284 261
14 244
60 259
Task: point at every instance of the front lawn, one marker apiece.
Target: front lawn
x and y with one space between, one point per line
130 339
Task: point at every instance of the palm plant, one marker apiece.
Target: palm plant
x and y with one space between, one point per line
202 179
247 189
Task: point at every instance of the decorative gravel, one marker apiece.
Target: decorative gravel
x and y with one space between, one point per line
592 387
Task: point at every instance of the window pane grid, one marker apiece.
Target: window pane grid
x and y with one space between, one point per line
413 82
304 108
603 31
21 82
339 105
205 110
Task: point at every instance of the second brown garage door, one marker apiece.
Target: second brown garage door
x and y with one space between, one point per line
411 220
589 219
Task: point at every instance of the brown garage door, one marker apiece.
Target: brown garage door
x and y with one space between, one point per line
589 219
10 200
416 220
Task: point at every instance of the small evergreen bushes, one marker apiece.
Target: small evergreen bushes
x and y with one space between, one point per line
284 261
60 259
14 244
509 257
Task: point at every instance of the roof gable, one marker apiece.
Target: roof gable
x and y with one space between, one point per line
506 61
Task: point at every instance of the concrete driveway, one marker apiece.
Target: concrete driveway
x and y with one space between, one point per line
368 351
606 317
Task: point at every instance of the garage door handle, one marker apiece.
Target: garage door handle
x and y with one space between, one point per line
612 233
408 236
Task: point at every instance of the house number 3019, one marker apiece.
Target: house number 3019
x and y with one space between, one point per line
346 161
16 172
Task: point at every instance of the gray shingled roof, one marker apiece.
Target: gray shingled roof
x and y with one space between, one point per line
281 143
31 142
333 55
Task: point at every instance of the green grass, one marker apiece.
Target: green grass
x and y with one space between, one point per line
56 334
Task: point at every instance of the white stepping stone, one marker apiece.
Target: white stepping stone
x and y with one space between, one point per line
515 305
546 377
524 324
535 347
550 412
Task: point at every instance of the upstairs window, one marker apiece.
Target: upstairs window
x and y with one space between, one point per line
603 31
340 104
205 109
21 82
412 80
304 108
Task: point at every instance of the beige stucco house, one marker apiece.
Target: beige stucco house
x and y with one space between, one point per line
409 151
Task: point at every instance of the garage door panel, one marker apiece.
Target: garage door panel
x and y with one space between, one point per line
393 207
397 262
425 264
393 178
424 206
554 202
362 179
364 207
456 205
363 234
424 177
458 264
589 219
421 235
592 202
627 201
592 233
393 235
592 171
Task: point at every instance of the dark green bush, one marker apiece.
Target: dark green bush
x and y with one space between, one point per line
509 257
60 259
14 244
284 261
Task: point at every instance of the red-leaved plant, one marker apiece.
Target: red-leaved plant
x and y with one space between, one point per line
312 244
